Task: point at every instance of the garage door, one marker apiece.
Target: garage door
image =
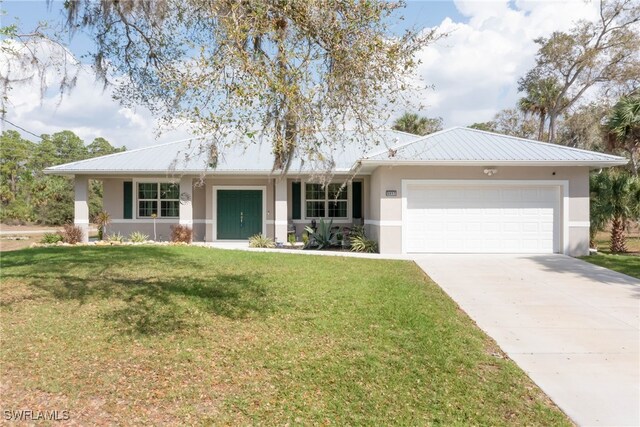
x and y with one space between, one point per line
484 219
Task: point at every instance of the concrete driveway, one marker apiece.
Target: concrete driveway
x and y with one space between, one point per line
573 327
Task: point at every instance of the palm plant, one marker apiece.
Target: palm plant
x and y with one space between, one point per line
615 197
102 219
412 123
541 95
623 128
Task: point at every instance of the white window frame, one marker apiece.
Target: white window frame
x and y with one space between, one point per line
156 181
336 219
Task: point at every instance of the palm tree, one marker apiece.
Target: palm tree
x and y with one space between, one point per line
541 95
615 197
623 128
412 123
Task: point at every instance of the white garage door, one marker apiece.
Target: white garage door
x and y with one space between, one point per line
484 219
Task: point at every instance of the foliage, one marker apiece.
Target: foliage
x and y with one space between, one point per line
138 237
615 197
511 122
295 73
260 241
305 238
50 238
360 243
540 98
623 126
321 238
292 239
72 234
601 53
115 238
102 219
412 123
181 233
582 128
27 194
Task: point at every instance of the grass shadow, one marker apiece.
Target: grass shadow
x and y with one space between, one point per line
171 299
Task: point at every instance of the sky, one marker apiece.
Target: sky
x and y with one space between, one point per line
472 73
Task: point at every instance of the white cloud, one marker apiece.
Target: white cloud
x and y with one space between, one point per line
89 111
476 68
475 72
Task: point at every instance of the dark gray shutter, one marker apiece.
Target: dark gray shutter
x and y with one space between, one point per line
356 203
127 192
296 200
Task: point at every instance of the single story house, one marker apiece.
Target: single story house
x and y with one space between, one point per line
459 190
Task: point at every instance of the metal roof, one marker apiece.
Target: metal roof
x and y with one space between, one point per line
454 146
251 157
466 145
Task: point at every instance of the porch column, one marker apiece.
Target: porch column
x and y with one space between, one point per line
81 205
281 209
186 204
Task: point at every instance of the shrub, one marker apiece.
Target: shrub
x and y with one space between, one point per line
51 238
138 237
291 238
181 234
260 241
322 237
102 219
360 243
116 237
72 234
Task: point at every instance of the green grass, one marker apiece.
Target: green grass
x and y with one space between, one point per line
627 264
183 335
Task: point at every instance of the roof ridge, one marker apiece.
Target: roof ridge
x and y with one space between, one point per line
535 141
135 150
404 144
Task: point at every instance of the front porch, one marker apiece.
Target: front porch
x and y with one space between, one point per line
221 209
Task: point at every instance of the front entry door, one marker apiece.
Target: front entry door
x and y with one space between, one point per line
239 214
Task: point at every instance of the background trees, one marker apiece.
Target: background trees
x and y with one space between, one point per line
417 125
603 53
27 194
623 129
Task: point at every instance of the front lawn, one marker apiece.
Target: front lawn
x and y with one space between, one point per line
627 264
184 335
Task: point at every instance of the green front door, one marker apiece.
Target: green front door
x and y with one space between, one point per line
239 214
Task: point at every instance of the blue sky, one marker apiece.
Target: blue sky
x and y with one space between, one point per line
474 71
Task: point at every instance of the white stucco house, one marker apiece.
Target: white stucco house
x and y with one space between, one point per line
455 191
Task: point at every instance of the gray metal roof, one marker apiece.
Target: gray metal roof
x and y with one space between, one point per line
465 145
459 146
191 156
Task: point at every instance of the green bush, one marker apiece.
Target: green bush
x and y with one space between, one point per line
322 237
360 243
138 237
51 238
115 237
260 241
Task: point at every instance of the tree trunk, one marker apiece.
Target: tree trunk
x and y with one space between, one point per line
543 118
552 126
617 236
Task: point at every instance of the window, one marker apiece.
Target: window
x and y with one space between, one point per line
152 195
330 201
